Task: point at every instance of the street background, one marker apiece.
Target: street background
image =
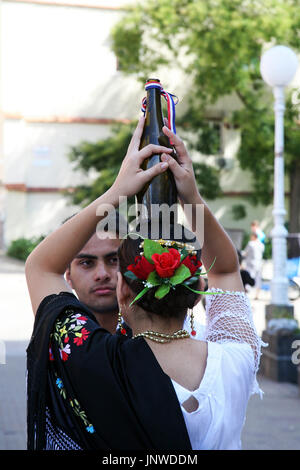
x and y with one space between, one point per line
272 423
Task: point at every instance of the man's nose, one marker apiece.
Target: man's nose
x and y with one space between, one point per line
101 272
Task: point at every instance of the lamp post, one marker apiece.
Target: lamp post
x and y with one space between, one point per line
278 67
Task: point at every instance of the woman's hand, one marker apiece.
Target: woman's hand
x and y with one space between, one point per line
182 169
132 178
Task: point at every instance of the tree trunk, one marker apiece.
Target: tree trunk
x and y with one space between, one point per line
294 203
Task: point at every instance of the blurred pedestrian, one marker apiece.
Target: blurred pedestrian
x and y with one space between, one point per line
253 256
255 228
247 280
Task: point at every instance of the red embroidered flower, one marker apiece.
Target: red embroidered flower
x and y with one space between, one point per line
80 337
142 268
51 357
192 263
166 263
64 356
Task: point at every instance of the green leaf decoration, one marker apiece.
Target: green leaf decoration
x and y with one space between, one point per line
183 254
151 247
202 274
130 275
180 275
191 280
162 291
140 295
203 292
154 279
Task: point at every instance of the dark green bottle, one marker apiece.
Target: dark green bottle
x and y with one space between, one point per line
162 188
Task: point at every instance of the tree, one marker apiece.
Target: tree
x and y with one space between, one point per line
221 41
105 157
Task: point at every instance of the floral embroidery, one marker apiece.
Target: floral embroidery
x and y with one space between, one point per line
80 337
65 352
75 406
90 428
51 357
68 329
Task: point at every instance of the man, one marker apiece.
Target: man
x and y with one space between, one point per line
93 275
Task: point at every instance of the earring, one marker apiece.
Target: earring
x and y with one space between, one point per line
120 324
193 331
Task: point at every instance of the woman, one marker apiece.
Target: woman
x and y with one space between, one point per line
160 389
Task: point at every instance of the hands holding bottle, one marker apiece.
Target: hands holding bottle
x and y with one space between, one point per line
132 178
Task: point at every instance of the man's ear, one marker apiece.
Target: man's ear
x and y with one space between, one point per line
68 276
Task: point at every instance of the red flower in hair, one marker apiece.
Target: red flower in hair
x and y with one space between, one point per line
166 263
141 267
192 263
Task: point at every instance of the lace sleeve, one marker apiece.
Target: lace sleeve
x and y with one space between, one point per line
229 319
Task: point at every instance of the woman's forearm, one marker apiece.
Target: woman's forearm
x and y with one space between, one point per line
58 249
216 243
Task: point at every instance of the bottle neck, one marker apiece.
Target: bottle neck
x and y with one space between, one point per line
154 109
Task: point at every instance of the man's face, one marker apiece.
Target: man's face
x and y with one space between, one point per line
93 274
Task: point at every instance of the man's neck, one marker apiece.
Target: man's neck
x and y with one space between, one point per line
108 321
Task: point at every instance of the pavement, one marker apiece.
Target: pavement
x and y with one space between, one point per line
272 423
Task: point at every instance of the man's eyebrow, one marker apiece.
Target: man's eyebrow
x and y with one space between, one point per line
86 256
112 253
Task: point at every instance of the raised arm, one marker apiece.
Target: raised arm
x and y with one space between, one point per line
225 273
46 265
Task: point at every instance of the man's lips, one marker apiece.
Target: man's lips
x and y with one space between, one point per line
103 290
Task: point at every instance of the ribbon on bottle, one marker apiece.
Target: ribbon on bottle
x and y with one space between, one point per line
171 103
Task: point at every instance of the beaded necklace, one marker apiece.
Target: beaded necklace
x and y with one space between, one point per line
163 337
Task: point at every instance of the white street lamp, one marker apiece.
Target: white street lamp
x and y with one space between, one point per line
278 67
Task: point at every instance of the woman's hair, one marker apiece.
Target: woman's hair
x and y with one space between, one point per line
178 300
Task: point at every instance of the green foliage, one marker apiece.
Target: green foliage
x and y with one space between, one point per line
105 158
22 247
218 44
238 212
222 39
268 249
207 179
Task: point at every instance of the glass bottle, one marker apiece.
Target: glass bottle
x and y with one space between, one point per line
161 190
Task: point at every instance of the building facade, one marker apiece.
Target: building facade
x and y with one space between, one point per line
60 85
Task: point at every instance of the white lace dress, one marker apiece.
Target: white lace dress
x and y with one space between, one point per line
234 350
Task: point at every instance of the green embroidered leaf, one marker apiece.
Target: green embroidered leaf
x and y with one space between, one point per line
180 275
162 291
151 247
154 279
130 275
140 295
77 328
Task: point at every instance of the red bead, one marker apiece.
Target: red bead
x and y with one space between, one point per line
193 333
123 331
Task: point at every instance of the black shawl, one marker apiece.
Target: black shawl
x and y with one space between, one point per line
118 382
